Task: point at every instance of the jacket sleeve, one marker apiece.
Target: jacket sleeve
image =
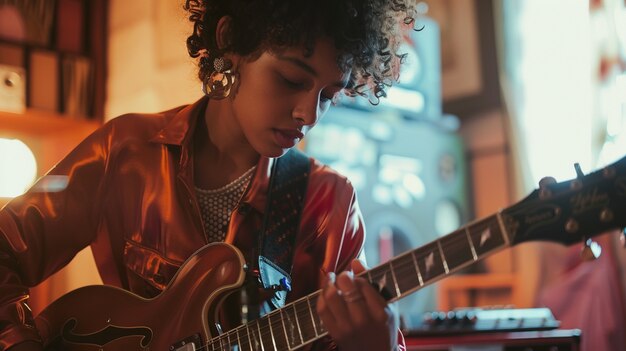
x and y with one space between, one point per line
42 230
340 231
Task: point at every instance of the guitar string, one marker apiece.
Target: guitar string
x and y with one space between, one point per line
266 330
454 241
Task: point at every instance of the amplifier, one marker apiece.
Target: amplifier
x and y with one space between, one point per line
546 340
492 329
473 320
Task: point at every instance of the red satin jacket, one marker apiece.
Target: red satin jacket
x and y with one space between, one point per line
128 191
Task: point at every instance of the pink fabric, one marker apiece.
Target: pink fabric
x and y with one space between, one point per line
588 296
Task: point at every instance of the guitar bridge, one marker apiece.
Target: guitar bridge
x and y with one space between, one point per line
191 343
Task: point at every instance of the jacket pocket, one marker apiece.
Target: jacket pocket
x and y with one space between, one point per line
149 264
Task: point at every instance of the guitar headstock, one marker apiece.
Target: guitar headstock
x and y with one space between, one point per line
571 211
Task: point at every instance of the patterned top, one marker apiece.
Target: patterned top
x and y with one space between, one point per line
216 205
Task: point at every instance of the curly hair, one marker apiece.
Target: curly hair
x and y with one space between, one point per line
366 34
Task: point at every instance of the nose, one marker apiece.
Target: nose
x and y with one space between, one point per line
307 113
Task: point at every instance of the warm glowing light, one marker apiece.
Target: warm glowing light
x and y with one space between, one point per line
18 167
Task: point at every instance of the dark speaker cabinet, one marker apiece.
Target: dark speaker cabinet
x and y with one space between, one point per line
410 177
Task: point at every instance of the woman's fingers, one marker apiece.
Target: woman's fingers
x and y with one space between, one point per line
354 298
330 306
353 312
349 303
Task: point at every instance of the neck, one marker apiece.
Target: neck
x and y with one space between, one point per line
220 145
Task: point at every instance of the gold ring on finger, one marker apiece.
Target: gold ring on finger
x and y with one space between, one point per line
352 296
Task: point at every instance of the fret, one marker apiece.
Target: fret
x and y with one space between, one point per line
223 342
291 325
457 249
469 239
317 322
238 342
233 339
395 280
269 326
256 333
265 334
279 334
384 281
505 234
220 344
254 342
298 324
443 258
228 342
417 268
485 235
305 319
406 273
243 338
429 262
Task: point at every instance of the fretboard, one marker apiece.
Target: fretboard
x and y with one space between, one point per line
297 323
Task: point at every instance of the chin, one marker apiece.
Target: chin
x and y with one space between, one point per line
275 153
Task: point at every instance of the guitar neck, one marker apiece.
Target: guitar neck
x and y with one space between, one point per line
429 263
297 323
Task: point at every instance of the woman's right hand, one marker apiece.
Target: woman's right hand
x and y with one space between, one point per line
27 346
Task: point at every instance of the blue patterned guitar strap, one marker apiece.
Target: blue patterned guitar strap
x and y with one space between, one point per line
287 189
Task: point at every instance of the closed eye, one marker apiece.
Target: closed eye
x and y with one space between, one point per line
297 85
292 84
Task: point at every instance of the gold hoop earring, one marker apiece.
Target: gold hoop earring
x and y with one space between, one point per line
220 83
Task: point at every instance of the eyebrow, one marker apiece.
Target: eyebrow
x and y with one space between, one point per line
305 66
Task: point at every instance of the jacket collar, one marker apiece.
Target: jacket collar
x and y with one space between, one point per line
181 123
180 130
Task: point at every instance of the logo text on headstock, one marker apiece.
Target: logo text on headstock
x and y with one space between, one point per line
540 216
591 199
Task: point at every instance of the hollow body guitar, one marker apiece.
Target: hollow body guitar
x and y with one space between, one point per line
184 316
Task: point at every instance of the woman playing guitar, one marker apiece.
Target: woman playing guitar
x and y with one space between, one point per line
146 191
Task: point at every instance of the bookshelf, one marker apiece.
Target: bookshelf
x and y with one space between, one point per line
53 57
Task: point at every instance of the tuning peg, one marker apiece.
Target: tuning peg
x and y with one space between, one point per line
579 172
577 183
591 250
544 191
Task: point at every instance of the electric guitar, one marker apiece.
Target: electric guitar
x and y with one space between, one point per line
184 316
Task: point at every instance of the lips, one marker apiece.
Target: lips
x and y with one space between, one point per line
287 138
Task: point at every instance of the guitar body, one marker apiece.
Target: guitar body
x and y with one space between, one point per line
109 318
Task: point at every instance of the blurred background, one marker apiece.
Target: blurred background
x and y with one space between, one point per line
495 95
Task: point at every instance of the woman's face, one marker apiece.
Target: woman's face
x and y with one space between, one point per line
281 96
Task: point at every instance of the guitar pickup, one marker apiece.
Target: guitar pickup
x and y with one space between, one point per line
187 347
188 344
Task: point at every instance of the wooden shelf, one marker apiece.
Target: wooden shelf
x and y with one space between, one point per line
49 136
40 123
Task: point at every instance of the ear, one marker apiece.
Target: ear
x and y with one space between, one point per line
222 32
